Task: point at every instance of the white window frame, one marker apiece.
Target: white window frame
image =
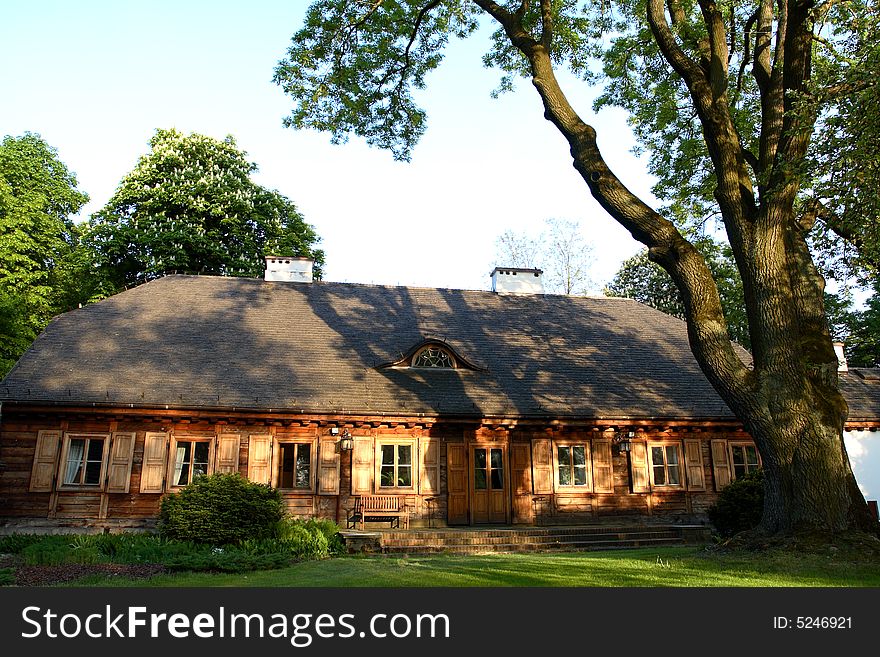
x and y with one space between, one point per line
587 486
681 465
65 451
414 465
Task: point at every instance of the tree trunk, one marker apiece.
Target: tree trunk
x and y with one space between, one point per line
808 481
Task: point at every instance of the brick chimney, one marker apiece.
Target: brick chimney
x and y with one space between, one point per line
289 269
515 280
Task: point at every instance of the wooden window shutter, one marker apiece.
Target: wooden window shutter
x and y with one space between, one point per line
259 468
603 470
362 466
328 472
542 466
153 468
227 453
45 461
520 469
720 464
429 477
119 467
456 484
638 463
693 457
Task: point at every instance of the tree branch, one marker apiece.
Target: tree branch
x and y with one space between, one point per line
546 23
372 10
761 69
676 13
770 81
747 52
706 323
423 13
846 89
689 71
719 54
734 192
795 63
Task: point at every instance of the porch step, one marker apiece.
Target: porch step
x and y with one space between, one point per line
574 546
470 541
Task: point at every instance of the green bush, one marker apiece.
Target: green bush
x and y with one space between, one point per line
290 540
54 552
7 577
330 530
303 539
15 543
740 505
221 509
227 560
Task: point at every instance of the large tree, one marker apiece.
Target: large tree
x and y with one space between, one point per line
190 206
38 240
859 329
731 88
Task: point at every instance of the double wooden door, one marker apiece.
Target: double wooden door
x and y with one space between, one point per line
479 489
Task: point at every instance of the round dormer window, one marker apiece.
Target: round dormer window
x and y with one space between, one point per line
433 356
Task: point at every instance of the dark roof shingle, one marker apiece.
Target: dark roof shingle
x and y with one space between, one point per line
211 342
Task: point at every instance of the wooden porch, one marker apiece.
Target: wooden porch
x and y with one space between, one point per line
476 540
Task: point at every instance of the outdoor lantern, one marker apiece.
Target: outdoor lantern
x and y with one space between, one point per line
346 443
623 444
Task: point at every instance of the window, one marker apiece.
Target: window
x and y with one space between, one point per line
396 465
744 458
83 462
192 458
433 357
665 465
488 468
295 466
571 463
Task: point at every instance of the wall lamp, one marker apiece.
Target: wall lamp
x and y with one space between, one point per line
346 442
623 442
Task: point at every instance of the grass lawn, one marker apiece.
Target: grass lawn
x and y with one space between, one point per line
678 566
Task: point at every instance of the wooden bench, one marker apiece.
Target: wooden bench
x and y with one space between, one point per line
391 508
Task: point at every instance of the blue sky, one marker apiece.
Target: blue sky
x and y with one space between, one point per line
96 78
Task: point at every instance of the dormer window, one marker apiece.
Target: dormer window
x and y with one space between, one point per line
433 356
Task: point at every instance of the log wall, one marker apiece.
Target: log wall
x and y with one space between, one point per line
533 494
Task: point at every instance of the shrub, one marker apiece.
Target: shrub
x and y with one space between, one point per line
330 530
740 505
227 560
7 577
303 539
57 550
221 509
15 543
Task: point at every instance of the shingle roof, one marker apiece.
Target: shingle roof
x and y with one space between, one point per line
861 387
211 342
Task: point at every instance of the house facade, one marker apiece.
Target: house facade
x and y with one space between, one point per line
475 408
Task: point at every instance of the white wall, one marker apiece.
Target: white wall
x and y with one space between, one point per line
863 448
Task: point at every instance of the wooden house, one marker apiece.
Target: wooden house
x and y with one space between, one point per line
472 407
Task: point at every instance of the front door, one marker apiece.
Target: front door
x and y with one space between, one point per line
488 484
